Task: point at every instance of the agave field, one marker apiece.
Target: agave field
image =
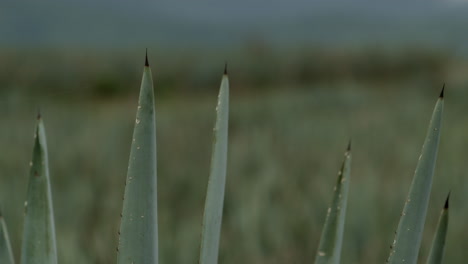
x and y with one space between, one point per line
141 223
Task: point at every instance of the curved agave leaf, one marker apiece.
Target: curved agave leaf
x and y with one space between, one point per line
6 254
215 194
438 244
329 250
405 247
138 240
39 245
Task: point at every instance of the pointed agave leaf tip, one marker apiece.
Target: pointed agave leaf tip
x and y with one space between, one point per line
146 58
442 92
39 116
225 68
349 146
446 206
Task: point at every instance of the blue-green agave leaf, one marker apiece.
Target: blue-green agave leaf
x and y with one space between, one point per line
39 246
329 250
438 244
215 194
138 239
405 247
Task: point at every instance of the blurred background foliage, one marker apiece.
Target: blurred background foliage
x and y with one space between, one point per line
306 76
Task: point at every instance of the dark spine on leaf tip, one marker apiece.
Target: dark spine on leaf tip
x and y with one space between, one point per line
225 68
442 92
146 58
349 146
446 206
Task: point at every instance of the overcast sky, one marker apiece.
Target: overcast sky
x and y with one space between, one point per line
211 23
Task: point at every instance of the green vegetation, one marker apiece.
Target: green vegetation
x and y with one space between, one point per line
257 67
280 146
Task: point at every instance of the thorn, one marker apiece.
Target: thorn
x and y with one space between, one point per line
225 68
1 214
349 146
442 92
446 206
146 58
38 113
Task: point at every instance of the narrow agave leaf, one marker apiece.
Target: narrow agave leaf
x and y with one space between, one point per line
329 250
215 194
138 240
6 254
405 247
438 244
39 229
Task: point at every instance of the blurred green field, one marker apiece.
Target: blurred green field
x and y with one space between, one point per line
287 141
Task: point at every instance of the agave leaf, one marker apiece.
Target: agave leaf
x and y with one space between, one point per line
39 244
138 240
405 247
329 250
438 244
215 194
6 254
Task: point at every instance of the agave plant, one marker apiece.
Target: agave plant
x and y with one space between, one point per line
329 250
405 247
39 229
138 235
38 245
217 179
436 254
